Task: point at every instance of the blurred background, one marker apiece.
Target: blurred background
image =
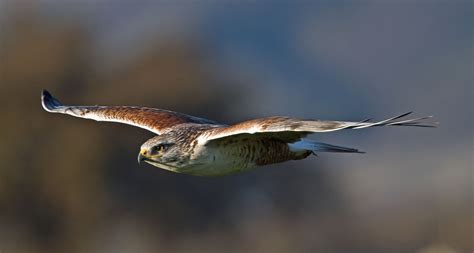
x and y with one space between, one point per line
72 185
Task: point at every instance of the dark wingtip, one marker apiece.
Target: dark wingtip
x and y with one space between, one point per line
45 93
48 102
353 150
45 96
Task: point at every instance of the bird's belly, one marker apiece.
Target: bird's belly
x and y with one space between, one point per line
228 159
218 167
218 162
214 170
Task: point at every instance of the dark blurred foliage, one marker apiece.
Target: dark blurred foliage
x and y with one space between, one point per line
72 185
64 179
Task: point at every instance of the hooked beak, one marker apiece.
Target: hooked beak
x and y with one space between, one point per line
141 156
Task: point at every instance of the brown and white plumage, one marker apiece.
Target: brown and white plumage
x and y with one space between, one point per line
154 120
198 146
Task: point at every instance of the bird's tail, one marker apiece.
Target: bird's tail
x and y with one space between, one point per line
309 145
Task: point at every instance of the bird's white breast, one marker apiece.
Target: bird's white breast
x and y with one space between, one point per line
211 160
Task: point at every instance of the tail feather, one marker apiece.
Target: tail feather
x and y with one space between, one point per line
308 145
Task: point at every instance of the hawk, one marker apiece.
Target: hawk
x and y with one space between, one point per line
202 147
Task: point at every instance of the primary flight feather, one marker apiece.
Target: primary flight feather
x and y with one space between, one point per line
202 147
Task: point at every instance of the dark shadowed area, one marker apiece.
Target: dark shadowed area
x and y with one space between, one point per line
73 185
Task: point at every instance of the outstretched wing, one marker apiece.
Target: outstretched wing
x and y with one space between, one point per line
288 129
154 120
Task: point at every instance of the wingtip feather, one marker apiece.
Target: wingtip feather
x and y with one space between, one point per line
418 122
48 102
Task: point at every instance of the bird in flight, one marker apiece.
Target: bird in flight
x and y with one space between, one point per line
202 147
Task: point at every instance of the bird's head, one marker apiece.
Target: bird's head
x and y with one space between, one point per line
163 151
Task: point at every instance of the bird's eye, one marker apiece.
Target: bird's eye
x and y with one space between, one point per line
159 148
